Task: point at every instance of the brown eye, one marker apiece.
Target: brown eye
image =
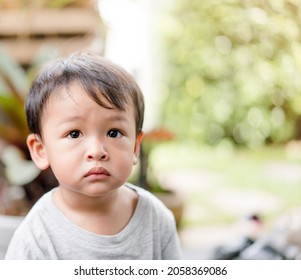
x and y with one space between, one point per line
74 134
114 133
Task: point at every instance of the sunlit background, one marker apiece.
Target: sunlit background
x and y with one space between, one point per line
222 86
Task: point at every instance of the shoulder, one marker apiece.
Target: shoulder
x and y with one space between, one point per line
150 200
41 210
159 220
44 204
24 243
153 209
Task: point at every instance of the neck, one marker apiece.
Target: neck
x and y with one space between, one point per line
78 202
106 215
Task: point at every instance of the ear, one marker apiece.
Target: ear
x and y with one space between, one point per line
37 151
137 147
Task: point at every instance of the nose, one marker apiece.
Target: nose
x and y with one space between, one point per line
97 151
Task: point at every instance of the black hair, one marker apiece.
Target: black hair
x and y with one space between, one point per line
99 77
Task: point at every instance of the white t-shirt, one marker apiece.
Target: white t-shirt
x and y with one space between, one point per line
46 234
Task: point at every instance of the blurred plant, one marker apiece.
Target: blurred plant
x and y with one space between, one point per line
151 139
13 88
15 158
235 75
148 178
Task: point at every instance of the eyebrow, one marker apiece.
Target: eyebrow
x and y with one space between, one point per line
117 118
69 119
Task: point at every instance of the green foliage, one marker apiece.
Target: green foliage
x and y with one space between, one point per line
233 71
19 169
14 85
13 88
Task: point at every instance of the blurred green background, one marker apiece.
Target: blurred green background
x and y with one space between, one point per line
233 71
232 94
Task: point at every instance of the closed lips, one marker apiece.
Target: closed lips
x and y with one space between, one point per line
97 171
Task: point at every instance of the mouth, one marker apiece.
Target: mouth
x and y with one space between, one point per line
97 172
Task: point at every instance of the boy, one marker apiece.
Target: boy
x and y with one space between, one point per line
85 115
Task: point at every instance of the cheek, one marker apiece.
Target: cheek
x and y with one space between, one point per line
124 161
60 165
61 160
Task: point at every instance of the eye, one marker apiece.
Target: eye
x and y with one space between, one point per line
114 133
74 134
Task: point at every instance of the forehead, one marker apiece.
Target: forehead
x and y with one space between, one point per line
74 97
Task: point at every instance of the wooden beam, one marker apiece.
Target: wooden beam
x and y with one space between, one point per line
51 21
25 50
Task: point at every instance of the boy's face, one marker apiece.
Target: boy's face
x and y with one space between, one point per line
90 149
